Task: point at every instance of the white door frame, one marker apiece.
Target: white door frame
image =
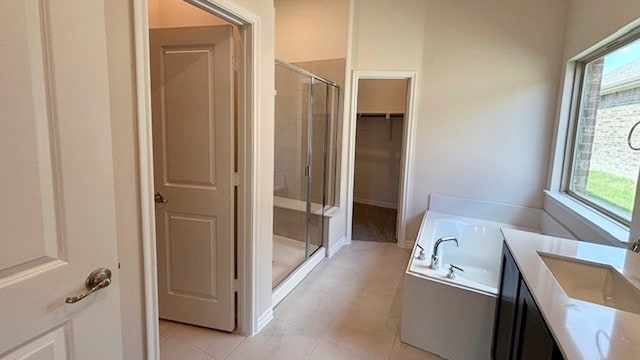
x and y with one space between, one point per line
407 145
248 118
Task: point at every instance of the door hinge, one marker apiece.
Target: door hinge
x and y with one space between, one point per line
307 171
235 63
235 179
235 285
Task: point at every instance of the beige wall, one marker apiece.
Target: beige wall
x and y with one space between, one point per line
176 13
308 30
382 96
388 35
592 21
487 103
488 79
377 167
119 22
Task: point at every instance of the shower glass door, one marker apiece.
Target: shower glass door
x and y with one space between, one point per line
305 123
291 183
318 139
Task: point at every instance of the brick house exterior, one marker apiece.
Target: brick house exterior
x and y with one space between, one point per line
607 117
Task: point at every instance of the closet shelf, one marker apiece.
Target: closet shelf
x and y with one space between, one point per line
381 115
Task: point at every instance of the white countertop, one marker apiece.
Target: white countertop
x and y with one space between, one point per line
582 330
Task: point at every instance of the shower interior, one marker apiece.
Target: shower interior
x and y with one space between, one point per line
305 163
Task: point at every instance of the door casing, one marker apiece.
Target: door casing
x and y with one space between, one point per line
407 145
248 120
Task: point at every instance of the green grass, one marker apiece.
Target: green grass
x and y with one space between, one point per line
612 189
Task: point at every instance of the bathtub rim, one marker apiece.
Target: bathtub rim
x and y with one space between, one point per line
474 221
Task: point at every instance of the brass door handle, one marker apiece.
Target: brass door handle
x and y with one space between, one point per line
98 279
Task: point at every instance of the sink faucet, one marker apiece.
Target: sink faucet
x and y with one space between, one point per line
434 256
635 247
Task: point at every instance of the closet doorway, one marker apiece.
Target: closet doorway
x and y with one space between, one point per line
381 123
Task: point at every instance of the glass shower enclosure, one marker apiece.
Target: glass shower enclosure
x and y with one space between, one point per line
305 162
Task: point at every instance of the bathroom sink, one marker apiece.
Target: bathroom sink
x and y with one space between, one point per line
593 282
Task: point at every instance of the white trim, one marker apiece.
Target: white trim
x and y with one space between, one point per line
250 29
583 222
295 278
334 248
375 203
145 154
549 226
264 319
404 192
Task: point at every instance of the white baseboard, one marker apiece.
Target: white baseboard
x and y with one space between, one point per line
295 278
264 319
334 248
375 203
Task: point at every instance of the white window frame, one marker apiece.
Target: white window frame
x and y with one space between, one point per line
580 216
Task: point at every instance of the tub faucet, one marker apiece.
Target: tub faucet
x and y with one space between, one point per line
635 247
434 256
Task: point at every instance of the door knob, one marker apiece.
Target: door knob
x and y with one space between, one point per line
98 279
159 198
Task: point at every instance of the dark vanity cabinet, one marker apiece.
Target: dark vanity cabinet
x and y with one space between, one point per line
519 332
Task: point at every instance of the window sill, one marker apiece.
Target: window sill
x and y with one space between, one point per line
581 215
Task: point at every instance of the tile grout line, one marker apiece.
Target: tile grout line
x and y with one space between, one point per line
193 346
226 356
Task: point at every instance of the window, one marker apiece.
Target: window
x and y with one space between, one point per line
604 169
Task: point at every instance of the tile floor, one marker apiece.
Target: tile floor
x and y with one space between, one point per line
349 307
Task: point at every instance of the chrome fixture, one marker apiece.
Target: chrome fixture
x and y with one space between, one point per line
452 275
434 256
421 256
635 247
98 279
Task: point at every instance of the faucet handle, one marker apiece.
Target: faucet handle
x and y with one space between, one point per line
452 273
451 267
421 256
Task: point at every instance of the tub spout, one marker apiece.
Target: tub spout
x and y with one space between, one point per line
434 255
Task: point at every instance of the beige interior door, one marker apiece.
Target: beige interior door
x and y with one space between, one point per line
191 80
57 219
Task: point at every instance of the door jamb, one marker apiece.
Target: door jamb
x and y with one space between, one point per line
248 118
404 192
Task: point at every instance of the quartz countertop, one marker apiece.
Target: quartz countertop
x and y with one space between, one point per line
582 330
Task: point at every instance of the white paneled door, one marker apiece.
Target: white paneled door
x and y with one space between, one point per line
57 219
193 135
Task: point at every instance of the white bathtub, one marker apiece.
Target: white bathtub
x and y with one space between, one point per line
453 317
